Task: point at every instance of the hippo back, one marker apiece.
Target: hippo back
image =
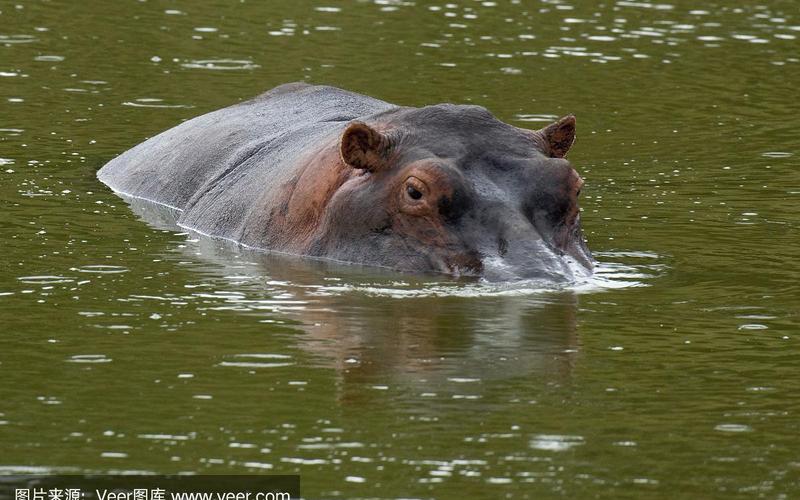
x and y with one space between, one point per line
257 138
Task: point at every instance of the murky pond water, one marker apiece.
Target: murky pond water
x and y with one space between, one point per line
127 345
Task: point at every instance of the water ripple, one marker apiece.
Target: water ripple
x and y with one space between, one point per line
100 269
555 442
247 361
89 358
45 280
148 102
221 64
15 39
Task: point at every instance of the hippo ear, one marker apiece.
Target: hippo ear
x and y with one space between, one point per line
557 137
364 147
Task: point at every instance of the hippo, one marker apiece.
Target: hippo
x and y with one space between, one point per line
322 172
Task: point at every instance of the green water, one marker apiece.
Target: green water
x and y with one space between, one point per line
128 346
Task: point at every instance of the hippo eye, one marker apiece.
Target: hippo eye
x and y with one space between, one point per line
413 193
416 190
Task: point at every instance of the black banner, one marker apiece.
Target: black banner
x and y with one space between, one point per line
146 487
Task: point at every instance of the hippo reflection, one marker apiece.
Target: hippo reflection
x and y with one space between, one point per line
369 328
322 172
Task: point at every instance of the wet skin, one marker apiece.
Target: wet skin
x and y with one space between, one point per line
322 172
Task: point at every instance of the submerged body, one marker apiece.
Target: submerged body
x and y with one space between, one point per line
322 172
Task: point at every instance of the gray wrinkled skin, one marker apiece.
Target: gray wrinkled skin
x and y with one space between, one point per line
228 172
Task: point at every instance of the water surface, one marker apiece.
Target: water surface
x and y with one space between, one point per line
128 345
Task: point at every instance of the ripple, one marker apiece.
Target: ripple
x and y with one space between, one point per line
50 58
601 38
258 465
149 102
44 280
100 269
776 154
535 118
89 358
305 461
463 380
555 442
644 5
164 437
13 39
7 470
753 326
733 428
114 327
263 356
606 276
221 64
247 361
330 446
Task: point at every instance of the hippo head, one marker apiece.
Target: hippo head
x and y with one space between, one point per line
452 189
